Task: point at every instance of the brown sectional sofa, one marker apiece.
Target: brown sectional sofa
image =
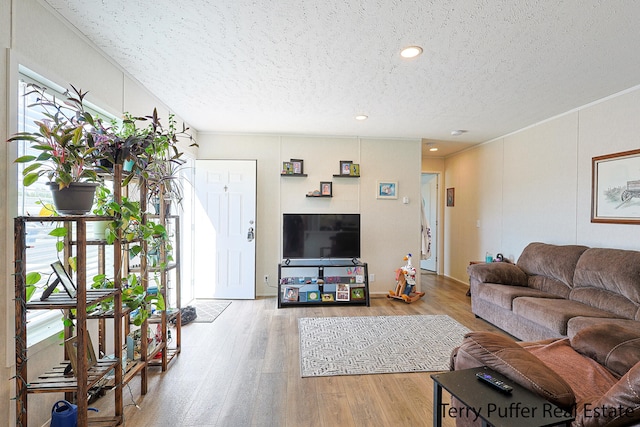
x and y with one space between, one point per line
555 291
577 310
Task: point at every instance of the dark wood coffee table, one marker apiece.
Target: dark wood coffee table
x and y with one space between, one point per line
520 408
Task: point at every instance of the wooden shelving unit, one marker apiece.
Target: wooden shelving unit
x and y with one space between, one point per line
55 380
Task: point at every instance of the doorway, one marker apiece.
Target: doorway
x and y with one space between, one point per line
429 191
225 214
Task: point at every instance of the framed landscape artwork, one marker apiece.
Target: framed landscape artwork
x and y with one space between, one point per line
615 188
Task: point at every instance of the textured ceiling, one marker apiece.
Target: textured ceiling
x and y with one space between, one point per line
308 66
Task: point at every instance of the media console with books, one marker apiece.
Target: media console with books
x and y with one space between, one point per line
322 282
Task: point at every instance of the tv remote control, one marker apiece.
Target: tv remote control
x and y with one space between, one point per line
494 382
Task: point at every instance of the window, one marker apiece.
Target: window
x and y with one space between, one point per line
41 247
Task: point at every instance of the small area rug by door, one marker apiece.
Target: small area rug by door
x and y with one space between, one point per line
209 310
377 344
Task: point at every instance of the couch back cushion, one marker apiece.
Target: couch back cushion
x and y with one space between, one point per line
609 279
551 267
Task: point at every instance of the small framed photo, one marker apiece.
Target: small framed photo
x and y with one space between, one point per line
342 292
71 346
298 166
313 296
287 168
327 297
345 167
354 170
451 196
357 294
387 190
64 278
326 188
290 294
302 297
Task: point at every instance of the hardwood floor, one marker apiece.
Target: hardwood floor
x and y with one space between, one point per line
243 370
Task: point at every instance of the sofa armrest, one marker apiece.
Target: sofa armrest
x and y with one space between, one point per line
615 347
498 272
507 357
620 406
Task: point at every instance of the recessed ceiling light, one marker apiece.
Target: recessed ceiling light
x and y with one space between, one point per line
457 132
433 149
411 51
362 117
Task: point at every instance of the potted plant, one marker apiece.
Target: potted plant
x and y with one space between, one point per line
67 150
121 143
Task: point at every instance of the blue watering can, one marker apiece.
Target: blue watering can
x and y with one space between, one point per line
65 414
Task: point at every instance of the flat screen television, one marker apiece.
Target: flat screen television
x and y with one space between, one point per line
321 236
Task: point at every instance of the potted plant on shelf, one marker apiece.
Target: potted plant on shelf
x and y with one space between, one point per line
162 161
67 150
122 143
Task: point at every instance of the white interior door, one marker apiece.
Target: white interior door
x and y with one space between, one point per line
429 192
225 229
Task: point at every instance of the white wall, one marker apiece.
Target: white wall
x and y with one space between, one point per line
33 36
390 229
535 185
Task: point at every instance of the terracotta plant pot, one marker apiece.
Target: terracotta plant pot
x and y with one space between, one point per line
77 199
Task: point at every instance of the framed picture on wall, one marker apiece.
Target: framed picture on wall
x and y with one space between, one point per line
451 196
387 190
615 188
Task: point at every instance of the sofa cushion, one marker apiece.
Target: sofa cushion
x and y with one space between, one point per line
505 356
620 405
605 300
503 295
576 324
585 376
554 264
614 347
554 314
615 274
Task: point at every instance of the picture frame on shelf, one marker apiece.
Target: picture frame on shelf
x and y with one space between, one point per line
313 296
615 188
64 278
354 169
357 294
326 188
345 167
71 346
342 292
290 294
328 297
287 168
298 166
302 297
387 190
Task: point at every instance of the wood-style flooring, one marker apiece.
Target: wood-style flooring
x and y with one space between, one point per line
243 370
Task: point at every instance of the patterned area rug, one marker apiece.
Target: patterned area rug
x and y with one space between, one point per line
377 344
208 310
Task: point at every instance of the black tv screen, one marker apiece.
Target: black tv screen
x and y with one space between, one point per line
321 236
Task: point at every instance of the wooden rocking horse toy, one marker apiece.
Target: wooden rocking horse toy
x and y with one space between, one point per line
405 283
